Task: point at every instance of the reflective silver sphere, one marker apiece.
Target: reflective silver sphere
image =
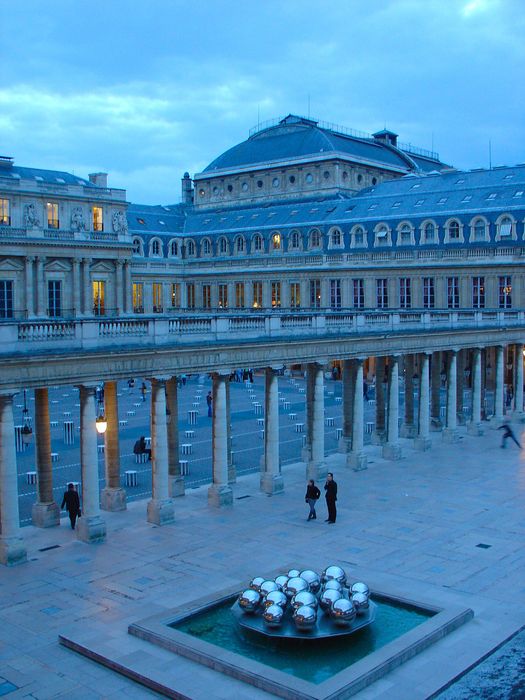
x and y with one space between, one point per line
334 572
360 587
276 598
293 573
312 578
295 585
249 600
333 585
343 612
305 618
267 587
273 615
255 583
304 598
281 581
360 601
328 598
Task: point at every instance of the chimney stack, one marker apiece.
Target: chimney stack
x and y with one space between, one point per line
99 179
187 189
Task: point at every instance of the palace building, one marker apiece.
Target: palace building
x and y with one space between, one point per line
305 244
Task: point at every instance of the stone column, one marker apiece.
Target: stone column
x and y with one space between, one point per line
175 478
435 401
232 472
29 297
315 467
379 434
460 386
87 308
475 425
160 506
271 478
220 493
12 548
422 442
348 386
45 512
357 457
76 281
518 381
41 302
450 433
408 429
499 386
392 449
127 287
90 527
113 496
120 291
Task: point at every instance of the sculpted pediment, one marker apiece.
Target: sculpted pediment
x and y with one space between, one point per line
103 266
8 265
58 266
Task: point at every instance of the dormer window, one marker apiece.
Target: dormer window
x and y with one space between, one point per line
405 235
336 238
137 246
206 246
382 237
223 246
156 247
453 231
276 241
294 240
257 243
315 238
190 247
239 244
505 227
429 233
174 249
479 230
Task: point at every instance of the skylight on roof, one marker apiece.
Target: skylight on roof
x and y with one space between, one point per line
467 198
59 179
492 195
372 206
254 216
419 202
141 221
328 211
293 212
162 223
80 182
395 205
509 177
460 181
166 208
39 178
518 193
442 200
415 186
314 209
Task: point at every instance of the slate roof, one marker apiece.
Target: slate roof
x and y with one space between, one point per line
146 218
50 177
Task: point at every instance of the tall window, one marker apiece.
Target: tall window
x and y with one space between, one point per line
190 248
336 238
429 233
382 293
223 246
6 299
276 295
452 293
405 235
276 241
505 292
190 295
158 306
335 294
206 246
137 246
382 236
315 294
294 240
98 221
138 298
358 287
52 215
155 247
54 298
239 295
174 249
478 292
505 227
223 296
479 230
206 296
359 236
429 297
315 238
295 295
99 297
175 295
257 292
5 217
239 244
257 243
405 293
453 231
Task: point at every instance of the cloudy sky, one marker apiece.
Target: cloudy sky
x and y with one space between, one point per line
146 89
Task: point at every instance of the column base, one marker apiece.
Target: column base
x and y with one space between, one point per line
91 529
176 486
450 435
475 429
422 444
272 483
113 499
317 472
357 461
160 512
345 445
220 496
408 431
12 551
45 514
378 438
436 424
392 452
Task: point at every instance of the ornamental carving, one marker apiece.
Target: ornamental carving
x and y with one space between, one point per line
77 220
30 216
120 223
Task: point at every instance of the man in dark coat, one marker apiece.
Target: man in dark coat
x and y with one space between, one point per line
72 503
312 494
330 488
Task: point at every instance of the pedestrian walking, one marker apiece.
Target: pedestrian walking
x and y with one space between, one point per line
312 496
143 391
507 434
209 402
72 503
330 488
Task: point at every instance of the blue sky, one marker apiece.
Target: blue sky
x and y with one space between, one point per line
147 90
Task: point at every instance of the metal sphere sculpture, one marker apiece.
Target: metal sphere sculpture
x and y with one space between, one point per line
304 598
275 598
305 618
334 572
343 612
281 581
293 573
255 583
333 585
249 600
273 615
295 585
267 587
360 601
328 598
360 587
312 578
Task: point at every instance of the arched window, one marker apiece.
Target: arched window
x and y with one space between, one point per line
336 238
174 249
505 227
276 241
137 246
382 235
294 240
156 247
206 247
190 247
315 238
239 244
429 233
405 234
479 230
257 243
454 230
223 245
358 236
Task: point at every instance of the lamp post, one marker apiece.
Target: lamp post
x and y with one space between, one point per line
27 431
101 423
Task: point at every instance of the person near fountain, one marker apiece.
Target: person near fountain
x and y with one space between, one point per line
330 488
312 496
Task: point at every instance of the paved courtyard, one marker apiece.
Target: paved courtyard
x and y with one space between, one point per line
415 523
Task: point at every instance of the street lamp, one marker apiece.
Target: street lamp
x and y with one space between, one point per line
27 431
101 423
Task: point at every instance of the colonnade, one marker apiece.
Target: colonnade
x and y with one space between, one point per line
167 480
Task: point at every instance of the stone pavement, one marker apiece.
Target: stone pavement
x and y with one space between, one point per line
415 523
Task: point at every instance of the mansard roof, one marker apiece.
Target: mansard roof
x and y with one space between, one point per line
156 218
50 177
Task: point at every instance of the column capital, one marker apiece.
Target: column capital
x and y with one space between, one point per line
119 263
30 258
89 388
222 373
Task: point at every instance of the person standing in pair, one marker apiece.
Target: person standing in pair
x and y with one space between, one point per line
312 496
330 488
209 403
72 503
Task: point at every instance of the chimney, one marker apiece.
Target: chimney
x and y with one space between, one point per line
99 179
187 189
386 136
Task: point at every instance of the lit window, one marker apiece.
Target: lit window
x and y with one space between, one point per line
223 296
276 241
202 192
98 221
5 218
138 298
175 295
99 295
158 306
239 295
505 292
52 215
257 292
295 295
276 295
505 227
